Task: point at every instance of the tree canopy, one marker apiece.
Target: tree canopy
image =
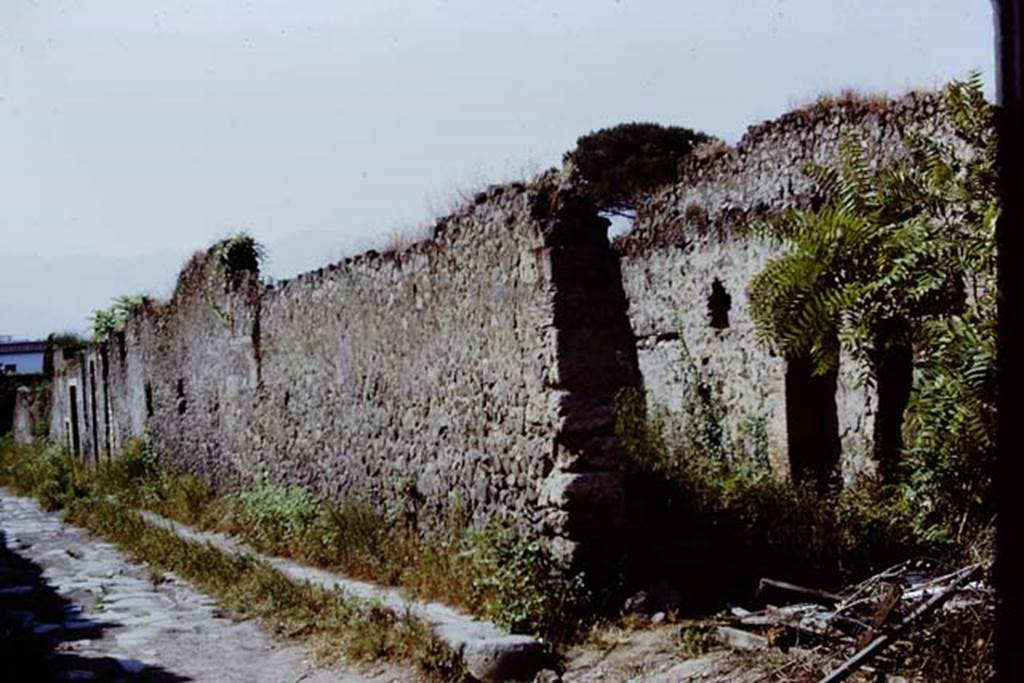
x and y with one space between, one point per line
617 164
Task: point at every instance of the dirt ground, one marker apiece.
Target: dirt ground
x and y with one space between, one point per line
653 653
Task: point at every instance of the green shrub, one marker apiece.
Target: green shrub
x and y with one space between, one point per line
349 533
949 459
903 258
719 488
238 254
288 520
695 443
106 321
496 570
185 497
48 474
520 585
275 516
134 466
52 479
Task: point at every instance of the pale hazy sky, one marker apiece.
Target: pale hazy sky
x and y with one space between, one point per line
141 130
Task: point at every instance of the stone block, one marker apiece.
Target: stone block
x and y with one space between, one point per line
511 658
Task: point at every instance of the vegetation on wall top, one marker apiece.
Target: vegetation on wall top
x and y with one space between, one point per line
902 243
106 321
238 254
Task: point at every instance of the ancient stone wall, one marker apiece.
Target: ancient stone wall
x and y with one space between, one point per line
477 369
692 235
74 414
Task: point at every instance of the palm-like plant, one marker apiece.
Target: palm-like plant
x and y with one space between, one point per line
106 321
888 254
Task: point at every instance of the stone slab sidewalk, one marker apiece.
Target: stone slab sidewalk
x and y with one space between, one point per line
489 653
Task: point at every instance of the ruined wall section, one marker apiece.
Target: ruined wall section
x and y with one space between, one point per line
669 292
129 404
188 377
78 413
693 232
21 423
30 411
475 369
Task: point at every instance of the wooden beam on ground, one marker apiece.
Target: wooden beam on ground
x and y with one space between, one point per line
812 594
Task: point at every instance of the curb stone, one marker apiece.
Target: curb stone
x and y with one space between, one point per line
488 653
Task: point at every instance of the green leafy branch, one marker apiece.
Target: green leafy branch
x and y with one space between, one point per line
106 321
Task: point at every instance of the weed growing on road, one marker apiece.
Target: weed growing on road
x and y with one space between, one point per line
521 584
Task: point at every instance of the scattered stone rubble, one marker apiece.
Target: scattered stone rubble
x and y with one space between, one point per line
850 631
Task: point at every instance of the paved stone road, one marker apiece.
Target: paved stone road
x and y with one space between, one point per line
79 607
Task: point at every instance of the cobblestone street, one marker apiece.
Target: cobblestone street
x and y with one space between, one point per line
75 608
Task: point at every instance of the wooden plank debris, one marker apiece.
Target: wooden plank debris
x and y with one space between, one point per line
881 615
858 660
824 627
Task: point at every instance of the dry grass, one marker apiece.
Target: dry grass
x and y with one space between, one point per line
847 98
453 199
494 571
400 239
874 101
710 149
